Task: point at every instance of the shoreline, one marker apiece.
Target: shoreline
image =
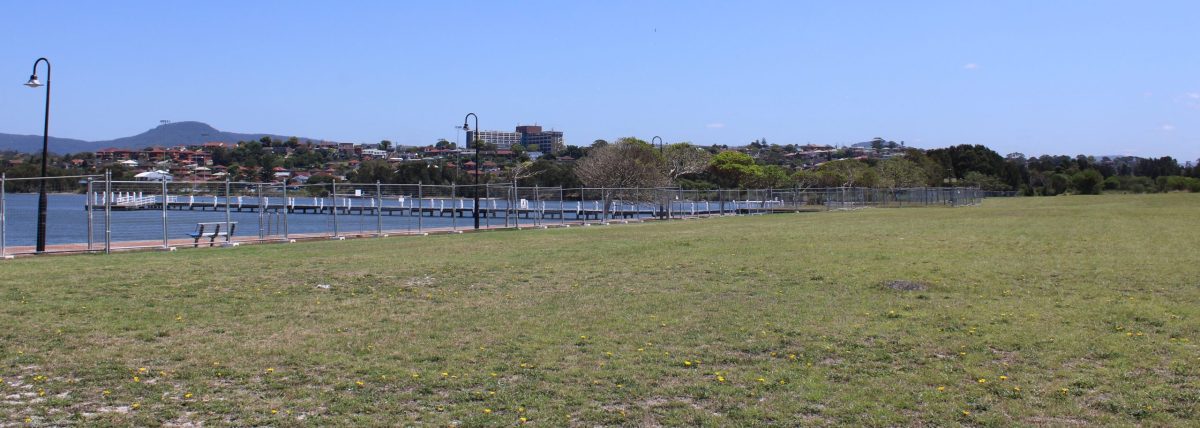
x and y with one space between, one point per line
180 243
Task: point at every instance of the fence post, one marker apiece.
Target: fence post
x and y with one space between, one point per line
420 211
562 212
87 204
333 207
604 200
669 202
453 207
378 209
228 222
286 205
3 217
107 211
166 243
262 214
720 202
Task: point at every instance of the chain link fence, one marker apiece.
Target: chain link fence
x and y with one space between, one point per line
97 214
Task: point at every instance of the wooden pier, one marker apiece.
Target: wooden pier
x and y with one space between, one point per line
446 208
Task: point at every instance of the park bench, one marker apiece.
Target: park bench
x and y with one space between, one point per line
211 231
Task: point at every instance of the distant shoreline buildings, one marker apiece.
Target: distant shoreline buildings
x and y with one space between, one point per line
532 137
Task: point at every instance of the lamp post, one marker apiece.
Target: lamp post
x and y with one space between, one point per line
663 207
951 181
41 225
465 127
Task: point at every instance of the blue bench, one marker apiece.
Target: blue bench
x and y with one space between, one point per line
211 231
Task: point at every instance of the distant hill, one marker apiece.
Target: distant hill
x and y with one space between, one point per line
166 135
33 144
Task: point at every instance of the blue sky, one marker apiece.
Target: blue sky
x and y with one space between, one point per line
1057 77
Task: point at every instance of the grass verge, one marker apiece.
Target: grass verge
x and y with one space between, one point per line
1049 311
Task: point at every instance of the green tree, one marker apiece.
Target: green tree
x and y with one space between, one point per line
729 169
851 172
627 163
769 177
372 171
547 173
877 144
900 172
1088 181
983 181
685 159
1057 184
574 152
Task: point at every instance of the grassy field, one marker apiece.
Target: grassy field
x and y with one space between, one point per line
1046 311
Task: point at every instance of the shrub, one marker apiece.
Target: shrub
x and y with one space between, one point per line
1088 181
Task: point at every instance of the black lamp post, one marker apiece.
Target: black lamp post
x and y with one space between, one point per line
475 209
41 220
662 208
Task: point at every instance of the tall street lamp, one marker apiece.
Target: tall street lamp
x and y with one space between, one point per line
662 208
465 127
41 220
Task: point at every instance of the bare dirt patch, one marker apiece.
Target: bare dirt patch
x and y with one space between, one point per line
904 285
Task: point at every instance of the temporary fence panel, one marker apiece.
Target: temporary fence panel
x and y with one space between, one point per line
90 212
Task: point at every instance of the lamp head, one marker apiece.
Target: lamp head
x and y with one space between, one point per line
33 82
465 127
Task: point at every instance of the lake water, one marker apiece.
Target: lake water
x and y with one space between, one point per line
67 220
